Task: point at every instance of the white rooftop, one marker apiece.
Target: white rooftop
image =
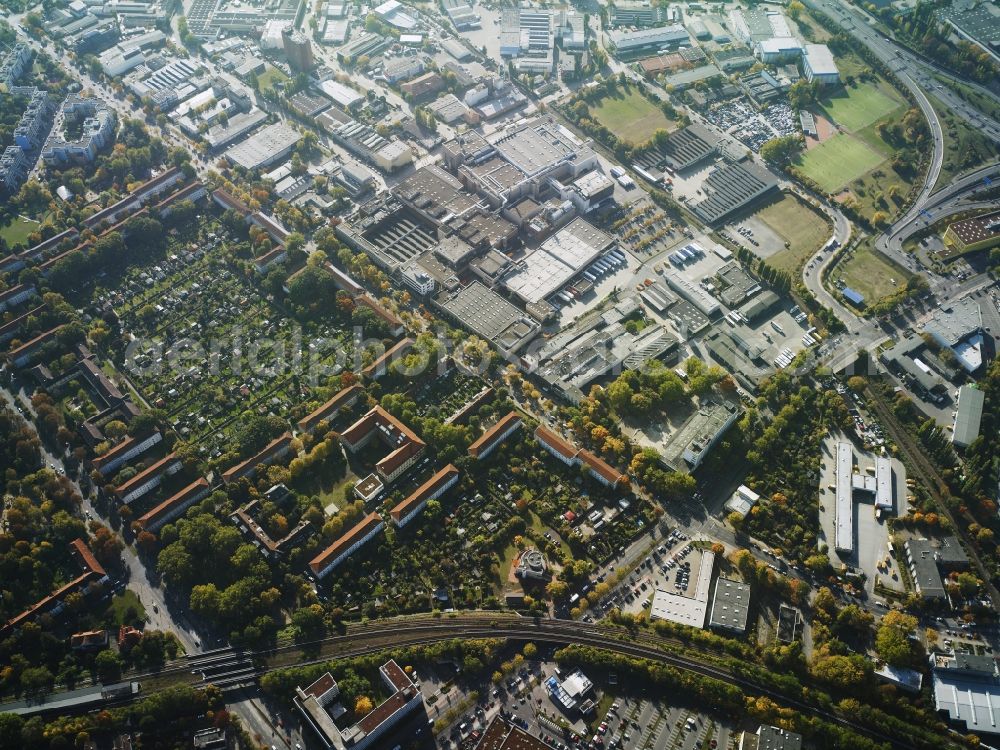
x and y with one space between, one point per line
820 59
686 610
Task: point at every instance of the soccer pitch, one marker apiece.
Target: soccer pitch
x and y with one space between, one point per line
838 161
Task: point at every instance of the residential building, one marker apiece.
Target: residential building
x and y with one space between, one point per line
486 443
270 548
432 489
175 506
15 295
25 354
14 62
273 451
141 196
569 454
313 702
366 530
345 399
131 447
380 366
96 122
148 479
92 579
405 446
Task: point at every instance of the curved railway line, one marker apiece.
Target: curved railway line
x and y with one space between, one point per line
925 470
231 669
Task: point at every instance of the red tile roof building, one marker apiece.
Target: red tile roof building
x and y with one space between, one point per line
371 728
570 455
91 579
406 446
174 506
380 366
129 448
495 435
149 479
346 545
273 451
432 489
345 399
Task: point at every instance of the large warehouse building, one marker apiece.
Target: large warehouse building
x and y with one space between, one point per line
561 257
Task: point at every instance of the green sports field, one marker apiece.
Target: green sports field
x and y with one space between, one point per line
631 117
838 161
853 108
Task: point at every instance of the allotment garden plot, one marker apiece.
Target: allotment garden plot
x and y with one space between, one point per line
209 347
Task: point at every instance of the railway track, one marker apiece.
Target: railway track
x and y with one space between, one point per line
230 669
234 670
928 474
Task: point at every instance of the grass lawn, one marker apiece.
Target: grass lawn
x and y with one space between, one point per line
804 229
270 76
853 108
964 147
125 608
18 230
869 272
631 117
838 161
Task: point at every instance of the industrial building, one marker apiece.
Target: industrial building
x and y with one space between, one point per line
969 235
968 416
778 50
686 610
688 448
298 50
967 691
264 147
632 43
641 13
688 147
730 188
487 314
517 161
730 606
927 558
461 14
551 266
818 64
959 327
527 36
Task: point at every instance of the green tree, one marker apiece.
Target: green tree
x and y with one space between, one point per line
892 640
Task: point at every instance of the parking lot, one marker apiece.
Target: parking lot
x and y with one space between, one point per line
667 567
753 128
625 723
